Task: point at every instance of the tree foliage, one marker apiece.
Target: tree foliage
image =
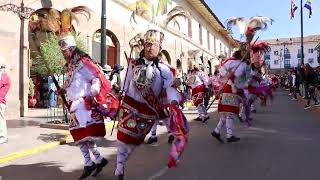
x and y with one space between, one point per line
50 61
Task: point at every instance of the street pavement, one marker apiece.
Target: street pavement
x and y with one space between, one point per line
283 143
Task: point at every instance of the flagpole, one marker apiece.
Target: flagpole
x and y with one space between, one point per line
301 16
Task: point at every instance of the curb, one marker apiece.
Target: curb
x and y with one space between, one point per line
47 146
54 126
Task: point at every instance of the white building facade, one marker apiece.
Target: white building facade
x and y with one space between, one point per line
286 52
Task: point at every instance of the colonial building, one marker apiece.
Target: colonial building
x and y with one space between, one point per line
286 52
202 38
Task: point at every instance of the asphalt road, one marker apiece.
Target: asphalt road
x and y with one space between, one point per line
283 144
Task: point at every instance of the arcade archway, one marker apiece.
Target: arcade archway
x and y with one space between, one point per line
113 47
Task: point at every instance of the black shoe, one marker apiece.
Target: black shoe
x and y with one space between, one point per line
240 119
100 166
152 140
217 136
307 107
254 111
197 119
205 119
120 177
170 139
233 139
161 123
87 171
316 104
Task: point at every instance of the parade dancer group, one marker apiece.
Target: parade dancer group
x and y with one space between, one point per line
149 94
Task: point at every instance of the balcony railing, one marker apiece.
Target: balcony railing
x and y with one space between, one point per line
287 66
287 56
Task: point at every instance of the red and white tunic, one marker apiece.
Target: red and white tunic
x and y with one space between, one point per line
85 79
230 100
144 100
198 81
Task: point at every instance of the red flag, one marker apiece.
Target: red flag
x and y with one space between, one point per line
179 126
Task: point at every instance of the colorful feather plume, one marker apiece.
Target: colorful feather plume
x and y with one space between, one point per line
157 15
137 42
261 47
249 27
52 20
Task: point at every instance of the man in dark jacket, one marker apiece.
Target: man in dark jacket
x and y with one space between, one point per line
310 80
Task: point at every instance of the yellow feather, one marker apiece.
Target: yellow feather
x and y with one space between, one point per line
65 20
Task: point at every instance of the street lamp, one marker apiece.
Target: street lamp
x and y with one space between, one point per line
23 13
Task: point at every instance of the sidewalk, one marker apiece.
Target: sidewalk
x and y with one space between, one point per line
303 101
26 137
34 117
29 140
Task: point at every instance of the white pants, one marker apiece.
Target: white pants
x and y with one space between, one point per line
225 119
155 125
124 151
202 111
3 124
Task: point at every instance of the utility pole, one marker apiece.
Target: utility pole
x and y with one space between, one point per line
23 13
103 32
301 16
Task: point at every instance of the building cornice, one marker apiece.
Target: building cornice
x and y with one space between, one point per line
201 7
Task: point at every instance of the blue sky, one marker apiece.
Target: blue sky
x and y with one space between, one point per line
279 10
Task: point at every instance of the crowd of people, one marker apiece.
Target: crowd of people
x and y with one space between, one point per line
303 81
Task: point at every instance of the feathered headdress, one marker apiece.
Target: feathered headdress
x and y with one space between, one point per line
60 23
249 27
156 12
261 47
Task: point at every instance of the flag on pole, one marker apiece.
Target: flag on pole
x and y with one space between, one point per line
309 7
293 9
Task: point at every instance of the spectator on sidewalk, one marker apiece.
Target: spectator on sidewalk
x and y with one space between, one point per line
296 80
310 79
305 84
4 88
318 78
115 78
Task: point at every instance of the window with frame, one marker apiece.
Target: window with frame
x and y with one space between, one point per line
276 62
310 51
299 61
299 51
310 60
276 53
286 62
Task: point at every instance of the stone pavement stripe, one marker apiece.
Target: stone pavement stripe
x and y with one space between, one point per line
44 147
35 150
